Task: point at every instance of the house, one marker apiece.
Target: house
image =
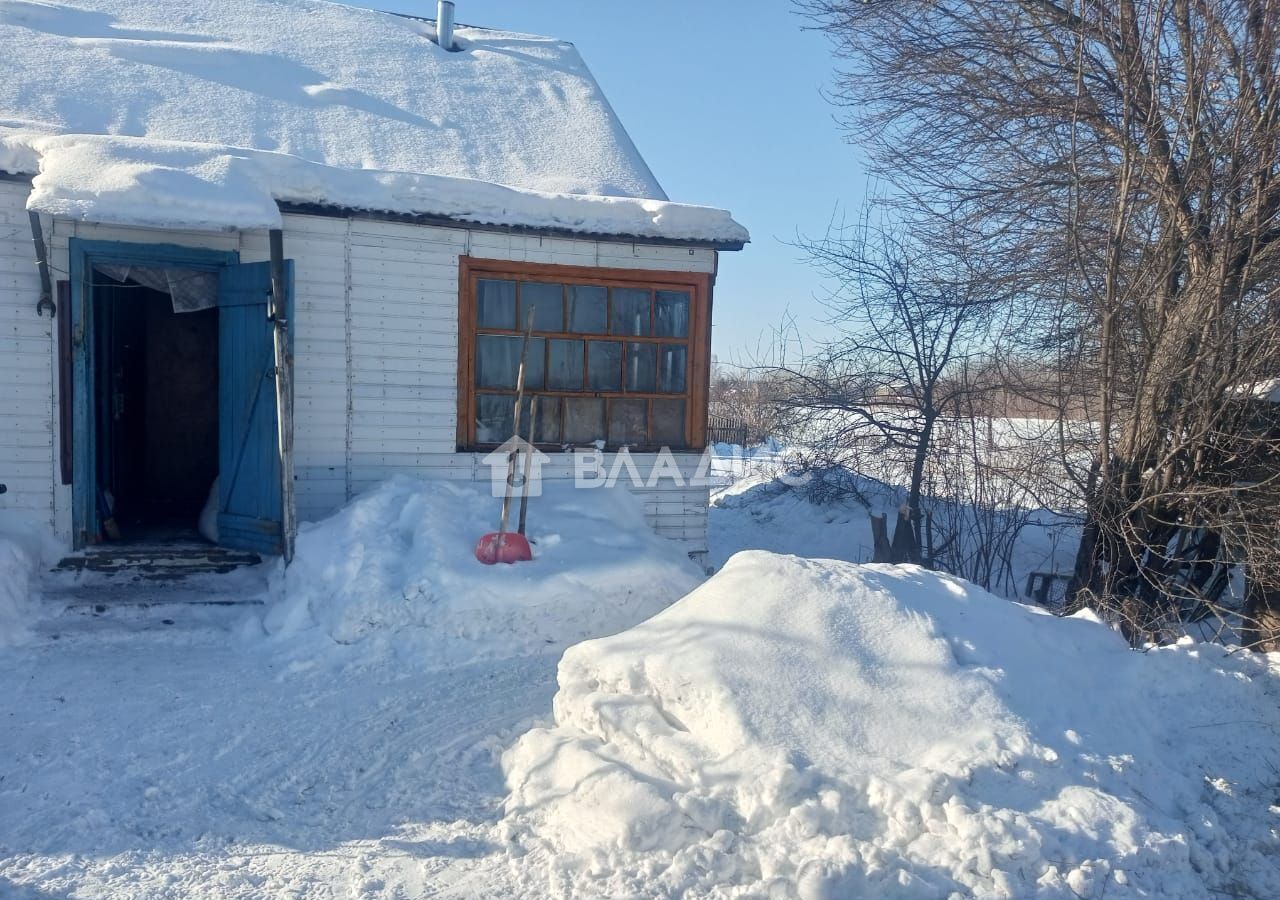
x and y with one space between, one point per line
289 245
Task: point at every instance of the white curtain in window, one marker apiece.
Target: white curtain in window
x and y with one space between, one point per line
191 289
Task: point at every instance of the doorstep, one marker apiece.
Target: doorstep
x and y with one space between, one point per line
158 562
109 577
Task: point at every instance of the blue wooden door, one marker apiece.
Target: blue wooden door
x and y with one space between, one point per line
249 491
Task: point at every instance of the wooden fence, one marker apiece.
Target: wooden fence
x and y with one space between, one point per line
726 430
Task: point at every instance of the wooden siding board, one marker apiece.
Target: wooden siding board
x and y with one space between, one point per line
27 462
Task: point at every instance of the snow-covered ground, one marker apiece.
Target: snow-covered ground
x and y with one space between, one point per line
25 549
392 723
340 741
146 760
756 504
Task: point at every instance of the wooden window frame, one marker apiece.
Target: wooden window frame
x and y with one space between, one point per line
698 284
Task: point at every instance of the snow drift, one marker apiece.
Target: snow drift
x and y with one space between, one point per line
24 548
395 569
823 729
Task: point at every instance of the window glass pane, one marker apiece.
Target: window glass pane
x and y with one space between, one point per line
672 359
628 421
641 368
535 367
630 311
498 361
549 420
583 420
547 302
604 365
495 303
548 428
493 417
564 365
588 309
668 423
671 314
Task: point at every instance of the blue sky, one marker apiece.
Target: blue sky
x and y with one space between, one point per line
723 99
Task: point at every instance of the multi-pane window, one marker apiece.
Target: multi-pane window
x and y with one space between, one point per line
613 355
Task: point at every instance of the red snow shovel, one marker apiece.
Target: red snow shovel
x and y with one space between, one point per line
502 546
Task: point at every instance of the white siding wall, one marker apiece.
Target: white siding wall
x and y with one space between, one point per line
318 248
27 461
376 332
400 315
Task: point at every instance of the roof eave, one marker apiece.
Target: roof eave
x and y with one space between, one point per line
344 212
348 212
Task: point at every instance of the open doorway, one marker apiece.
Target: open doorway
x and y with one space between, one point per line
155 407
174 389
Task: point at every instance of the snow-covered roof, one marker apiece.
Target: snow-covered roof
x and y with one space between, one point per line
203 113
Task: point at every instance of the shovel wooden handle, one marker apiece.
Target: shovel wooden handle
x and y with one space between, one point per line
511 460
528 462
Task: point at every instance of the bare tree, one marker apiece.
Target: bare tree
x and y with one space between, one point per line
906 320
1119 160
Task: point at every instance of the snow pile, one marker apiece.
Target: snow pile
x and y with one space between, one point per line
816 728
203 113
395 569
164 184
25 548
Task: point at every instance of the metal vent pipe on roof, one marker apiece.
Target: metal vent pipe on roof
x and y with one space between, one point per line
444 24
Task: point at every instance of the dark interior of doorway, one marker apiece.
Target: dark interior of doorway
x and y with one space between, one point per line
156 373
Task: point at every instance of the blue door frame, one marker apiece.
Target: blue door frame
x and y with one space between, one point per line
84 256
